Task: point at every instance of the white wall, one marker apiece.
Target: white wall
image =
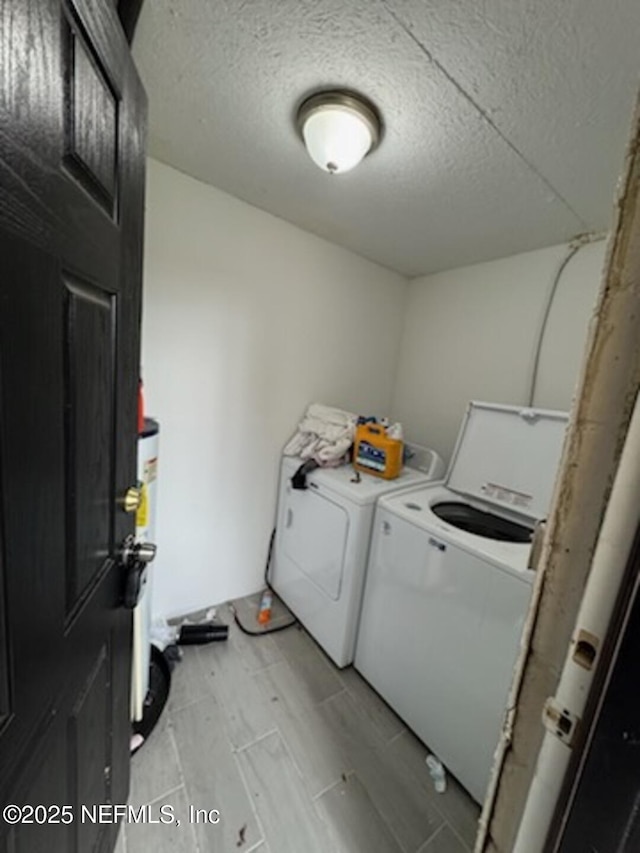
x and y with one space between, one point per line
246 320
470 334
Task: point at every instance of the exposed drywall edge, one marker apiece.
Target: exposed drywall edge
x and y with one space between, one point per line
608 385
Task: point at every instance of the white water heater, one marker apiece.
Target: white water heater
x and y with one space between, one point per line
145 532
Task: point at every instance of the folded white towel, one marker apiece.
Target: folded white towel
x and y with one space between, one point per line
324 434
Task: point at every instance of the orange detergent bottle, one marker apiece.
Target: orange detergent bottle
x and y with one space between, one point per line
375 453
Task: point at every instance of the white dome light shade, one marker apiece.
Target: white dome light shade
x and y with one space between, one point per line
338 130
336 139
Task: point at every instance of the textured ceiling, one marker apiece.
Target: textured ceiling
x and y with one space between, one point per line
505 120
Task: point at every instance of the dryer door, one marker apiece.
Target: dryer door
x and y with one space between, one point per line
315 537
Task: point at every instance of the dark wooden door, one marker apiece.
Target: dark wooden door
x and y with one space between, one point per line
72 121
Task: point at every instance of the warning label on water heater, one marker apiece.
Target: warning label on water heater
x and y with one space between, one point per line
151 470
142 515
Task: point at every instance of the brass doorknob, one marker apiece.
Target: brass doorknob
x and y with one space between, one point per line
132 499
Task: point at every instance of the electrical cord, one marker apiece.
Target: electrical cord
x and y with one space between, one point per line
262 631
574 247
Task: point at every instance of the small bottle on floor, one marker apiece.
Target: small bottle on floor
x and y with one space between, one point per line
264 611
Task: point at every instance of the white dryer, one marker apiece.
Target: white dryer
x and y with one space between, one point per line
448 585
322 543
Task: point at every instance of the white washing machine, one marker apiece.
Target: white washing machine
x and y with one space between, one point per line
322 543
448 585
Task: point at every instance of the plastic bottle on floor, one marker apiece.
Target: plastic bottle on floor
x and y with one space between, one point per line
437 773
264 611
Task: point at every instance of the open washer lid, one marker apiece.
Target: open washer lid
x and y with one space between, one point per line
508 456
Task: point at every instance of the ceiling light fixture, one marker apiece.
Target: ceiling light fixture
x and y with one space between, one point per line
339 129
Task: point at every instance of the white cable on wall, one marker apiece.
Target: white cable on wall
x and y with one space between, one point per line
574 247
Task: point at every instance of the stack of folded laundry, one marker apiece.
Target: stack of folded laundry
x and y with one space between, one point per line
324 435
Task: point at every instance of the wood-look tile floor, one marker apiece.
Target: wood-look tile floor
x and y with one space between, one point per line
296 755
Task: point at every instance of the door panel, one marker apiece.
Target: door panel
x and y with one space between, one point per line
5 706
32 461
44 781
72 136
89 748
89 392
30 55
91 119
